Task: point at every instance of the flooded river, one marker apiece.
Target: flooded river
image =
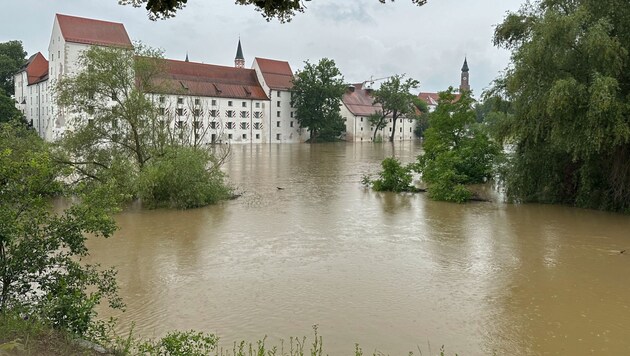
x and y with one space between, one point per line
387 271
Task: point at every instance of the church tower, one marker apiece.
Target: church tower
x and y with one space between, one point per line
465 83
239 61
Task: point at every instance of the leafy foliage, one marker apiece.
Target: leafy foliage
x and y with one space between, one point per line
283 10
12 57
456 151
316 93
421 116
396 101
181 179
40 251
190 343
393 178
570 90
120 138
8 111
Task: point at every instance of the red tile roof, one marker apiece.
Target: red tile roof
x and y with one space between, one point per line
190 78
94 32
433 98
360 101
278 74
429 98
36 68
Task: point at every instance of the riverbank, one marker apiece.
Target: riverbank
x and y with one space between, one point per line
24 336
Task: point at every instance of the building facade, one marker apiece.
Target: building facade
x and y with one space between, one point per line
31 92
212 103
357 104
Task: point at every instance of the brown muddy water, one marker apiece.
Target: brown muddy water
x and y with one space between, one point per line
387 271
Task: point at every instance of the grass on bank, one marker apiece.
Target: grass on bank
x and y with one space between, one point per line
27 336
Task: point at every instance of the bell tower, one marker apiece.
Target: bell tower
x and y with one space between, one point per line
465 82
239 60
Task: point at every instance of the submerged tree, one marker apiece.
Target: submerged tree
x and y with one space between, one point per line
569 86
116 127
396 101
283 10
316 94
456 151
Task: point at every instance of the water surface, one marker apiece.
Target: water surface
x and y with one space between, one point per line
387 271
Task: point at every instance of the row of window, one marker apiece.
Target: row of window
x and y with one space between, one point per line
228 125
230 137
180 100
213 113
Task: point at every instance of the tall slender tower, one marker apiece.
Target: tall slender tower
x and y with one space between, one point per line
465 83
239 61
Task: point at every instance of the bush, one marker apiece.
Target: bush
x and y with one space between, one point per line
393 178
189 343
182 178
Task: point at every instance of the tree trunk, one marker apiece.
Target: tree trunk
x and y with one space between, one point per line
394 118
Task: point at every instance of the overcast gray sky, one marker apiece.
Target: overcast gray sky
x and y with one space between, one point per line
364 37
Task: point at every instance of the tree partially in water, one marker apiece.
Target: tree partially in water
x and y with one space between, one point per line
569 84
118 134
315 95
396 101
457 151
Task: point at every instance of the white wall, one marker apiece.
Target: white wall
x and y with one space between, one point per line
247 125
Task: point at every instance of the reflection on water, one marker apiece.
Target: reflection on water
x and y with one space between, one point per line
387 271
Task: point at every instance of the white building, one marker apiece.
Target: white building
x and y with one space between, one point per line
356 108
31 92
70 37
220 104
276 78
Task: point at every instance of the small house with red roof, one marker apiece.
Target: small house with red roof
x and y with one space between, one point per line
357 104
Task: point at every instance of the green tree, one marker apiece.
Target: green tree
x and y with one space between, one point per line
41 272
117 129
180 179
283 10
8 111
316 94
456 150
393 178
12 58
569 85
421 116
396 101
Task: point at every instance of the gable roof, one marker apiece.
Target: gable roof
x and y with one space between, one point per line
433 99
95 32
429 98
360 101
277 74
36 68
191 78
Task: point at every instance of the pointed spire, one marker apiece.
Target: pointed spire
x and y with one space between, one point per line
465 66
239 60
239 51
187 57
